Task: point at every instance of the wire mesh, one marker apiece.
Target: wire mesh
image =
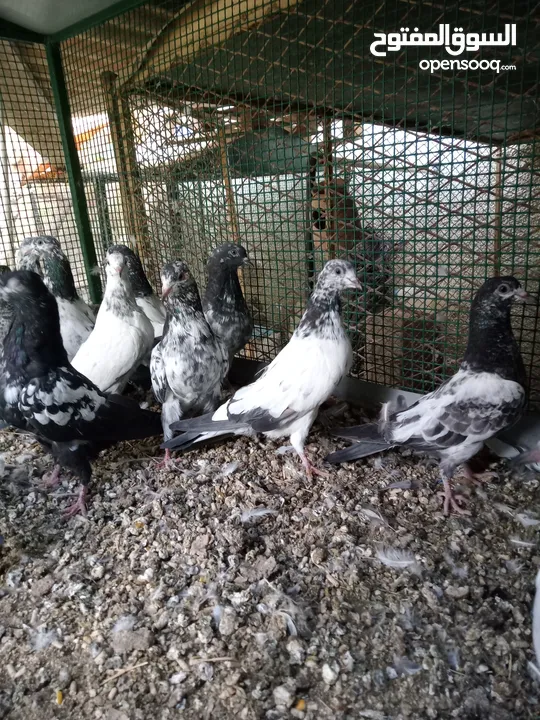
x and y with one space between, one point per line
35 197
272 124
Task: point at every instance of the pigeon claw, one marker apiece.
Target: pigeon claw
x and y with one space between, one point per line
168 461
311 470
50 480
453 503
79 506
478 478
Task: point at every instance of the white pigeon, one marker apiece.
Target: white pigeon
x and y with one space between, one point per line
145 297
285 399
43 255
122 337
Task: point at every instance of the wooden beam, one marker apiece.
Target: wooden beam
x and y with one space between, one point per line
129 177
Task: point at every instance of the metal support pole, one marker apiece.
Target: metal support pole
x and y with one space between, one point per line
73 168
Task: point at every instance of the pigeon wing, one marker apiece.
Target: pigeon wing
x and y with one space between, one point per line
158 374
470 406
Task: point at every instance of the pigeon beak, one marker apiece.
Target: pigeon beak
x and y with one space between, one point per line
165 291
524 297
356 284
247 262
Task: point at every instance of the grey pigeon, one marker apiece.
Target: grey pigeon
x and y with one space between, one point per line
189 365
224 305
145 297
123 336
43 255
285 399
67 413
486 395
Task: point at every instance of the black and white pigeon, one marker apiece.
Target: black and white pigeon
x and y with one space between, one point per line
224 304
285 399
6 314
123 336
188 366
486 395
43 255
45 395
145 297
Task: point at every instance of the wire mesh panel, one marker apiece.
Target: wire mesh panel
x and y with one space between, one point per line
35 198
274 124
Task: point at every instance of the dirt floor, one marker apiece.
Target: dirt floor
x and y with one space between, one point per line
231 587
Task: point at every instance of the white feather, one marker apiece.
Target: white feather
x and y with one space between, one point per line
154 310
397 559
76 324
116 346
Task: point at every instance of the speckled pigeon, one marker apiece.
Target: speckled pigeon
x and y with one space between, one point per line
486 395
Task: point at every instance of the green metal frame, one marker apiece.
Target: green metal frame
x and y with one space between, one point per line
73 168
12 31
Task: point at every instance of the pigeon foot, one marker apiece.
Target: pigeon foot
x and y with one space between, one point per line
79 506
311 470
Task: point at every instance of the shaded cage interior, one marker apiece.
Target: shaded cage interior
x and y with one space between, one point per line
271 124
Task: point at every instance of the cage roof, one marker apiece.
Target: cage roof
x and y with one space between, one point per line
50 16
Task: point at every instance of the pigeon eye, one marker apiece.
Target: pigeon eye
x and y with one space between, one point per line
503 289
338 271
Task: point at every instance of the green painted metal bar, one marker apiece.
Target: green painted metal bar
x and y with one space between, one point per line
97 19
12 31
73 168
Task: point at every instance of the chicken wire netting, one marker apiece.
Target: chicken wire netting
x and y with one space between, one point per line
272 124
35 197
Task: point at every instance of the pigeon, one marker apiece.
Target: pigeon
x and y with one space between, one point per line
67 413
486 395
188 365
6 313
122 337
43 255
224 305
145 297
285 399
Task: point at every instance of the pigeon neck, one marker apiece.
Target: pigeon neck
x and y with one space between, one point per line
491 346
119 297
223 283
323 314
185 306
139 282
33 344
58 278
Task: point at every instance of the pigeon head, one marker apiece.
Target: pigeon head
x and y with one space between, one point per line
139 281
115 264
32 248
497 294
229 255
23 289
338 275
43 255
177 283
